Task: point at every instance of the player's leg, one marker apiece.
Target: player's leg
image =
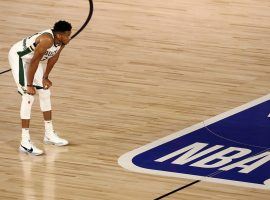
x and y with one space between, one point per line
50 136
18 71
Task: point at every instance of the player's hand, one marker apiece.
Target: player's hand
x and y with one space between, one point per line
46 83
31 90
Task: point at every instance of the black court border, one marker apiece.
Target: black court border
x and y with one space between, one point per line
90 14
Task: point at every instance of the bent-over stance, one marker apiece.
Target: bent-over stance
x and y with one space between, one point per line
31 61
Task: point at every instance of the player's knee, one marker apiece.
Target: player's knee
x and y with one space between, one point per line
26 105
45 100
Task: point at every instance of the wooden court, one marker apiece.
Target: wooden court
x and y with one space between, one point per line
141 70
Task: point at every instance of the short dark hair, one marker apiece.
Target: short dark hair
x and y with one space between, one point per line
62 26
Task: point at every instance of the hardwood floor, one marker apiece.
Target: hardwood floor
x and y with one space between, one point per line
141 70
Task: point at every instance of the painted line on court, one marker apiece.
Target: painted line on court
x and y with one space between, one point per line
266 182
217 135
90 14
5 71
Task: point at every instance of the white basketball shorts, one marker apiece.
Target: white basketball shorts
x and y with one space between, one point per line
19 67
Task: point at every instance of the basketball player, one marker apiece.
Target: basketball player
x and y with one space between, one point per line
31 61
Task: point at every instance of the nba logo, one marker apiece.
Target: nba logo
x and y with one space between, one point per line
232 148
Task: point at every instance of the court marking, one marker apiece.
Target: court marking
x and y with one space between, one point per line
234 141
126 160
266 182
90 14
5 71
178 189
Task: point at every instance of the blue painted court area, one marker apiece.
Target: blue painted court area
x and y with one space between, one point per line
232 148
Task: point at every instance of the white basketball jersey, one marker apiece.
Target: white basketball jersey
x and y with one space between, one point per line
28 45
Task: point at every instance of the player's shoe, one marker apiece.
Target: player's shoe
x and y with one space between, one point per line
53 138
28 147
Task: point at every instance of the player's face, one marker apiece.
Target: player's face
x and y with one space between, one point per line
65 37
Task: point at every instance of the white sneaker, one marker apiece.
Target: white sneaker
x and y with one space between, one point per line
53 138
28 147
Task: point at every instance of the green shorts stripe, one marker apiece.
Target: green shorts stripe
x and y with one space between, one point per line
21 72
21 69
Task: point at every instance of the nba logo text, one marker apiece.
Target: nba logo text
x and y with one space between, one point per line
232 148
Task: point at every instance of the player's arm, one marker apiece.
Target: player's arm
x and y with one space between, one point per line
43 43
51 62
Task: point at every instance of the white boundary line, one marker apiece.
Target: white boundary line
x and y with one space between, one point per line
126 160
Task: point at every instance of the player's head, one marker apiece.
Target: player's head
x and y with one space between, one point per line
62 30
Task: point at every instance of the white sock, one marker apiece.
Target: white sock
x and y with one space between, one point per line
25 135
48 126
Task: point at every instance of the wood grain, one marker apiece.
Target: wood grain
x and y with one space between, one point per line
140 71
